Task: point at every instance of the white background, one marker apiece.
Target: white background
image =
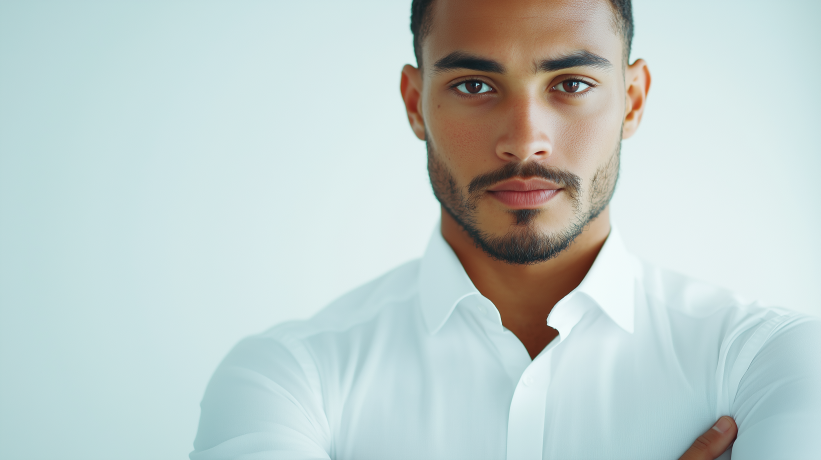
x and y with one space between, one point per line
177 175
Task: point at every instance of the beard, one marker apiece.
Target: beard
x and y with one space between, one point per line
524 244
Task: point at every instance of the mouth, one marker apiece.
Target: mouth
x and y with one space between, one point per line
524 193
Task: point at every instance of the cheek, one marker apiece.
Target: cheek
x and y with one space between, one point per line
464 143
588 138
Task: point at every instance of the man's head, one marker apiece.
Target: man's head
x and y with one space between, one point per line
523 105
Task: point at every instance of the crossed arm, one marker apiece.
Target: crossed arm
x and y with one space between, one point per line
777 406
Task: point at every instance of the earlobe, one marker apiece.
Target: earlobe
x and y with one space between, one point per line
637 83
410 86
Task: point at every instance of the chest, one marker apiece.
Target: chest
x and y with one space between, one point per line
598 401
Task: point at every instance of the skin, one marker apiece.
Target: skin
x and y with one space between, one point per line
525 120
524 116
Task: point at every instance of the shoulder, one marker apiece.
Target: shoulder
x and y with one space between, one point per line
687 299
280 365
744 337
700 314
686 295
360 305
394 290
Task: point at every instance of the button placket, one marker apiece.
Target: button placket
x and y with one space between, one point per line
525 434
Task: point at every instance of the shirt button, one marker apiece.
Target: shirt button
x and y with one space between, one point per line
527 381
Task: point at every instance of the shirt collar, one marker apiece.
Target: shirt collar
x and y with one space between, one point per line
609 283
443 282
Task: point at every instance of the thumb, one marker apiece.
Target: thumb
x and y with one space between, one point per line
714 442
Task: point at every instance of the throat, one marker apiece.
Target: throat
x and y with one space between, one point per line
535 339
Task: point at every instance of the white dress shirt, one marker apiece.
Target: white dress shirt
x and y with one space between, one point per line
417 365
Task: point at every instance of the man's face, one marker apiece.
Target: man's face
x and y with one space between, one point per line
523 105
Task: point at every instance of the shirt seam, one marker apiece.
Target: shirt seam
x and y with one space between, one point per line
751 349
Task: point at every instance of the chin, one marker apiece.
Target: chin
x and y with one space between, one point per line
538 221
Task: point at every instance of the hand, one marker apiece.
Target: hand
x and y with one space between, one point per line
714 442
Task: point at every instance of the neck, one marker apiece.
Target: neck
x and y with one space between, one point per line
525 294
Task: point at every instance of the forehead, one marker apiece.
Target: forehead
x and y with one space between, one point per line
521 30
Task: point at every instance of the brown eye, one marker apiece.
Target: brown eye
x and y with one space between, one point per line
571 86
473 87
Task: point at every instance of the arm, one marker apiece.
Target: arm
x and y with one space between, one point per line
261 403
778 403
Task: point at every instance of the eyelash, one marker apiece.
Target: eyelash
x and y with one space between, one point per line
454 85
591 85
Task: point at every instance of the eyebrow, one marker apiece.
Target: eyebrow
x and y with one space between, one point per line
460 60
581 58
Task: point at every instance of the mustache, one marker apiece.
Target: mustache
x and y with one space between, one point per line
565 179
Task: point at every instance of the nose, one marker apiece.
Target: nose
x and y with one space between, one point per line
524 136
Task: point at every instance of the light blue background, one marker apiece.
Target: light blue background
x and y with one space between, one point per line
177 175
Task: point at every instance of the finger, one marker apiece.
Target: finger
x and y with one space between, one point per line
714 442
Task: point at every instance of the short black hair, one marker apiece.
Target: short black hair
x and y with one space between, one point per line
420 24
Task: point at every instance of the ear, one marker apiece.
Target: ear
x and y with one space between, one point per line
411 87
637 81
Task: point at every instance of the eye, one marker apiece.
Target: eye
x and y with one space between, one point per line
572 86
473 87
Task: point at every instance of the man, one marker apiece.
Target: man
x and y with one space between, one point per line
526 331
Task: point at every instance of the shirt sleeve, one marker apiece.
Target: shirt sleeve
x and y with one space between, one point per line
263 402
778 403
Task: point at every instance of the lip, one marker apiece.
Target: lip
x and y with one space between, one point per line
524 185
524 193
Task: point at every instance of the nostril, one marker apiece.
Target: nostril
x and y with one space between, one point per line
522 154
